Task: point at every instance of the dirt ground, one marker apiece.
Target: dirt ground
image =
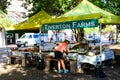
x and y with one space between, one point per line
14 72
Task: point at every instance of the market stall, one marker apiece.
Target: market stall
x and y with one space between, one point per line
87 23
91 56
27 57
83 16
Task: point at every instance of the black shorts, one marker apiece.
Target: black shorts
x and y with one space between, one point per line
58 55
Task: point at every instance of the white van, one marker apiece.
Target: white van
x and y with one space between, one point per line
30 39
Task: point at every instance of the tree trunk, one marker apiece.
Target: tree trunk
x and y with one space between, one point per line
117 32
78 33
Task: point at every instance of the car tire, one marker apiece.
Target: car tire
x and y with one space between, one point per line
18 45
26 44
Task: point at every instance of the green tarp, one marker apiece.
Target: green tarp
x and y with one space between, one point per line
33 23
86 10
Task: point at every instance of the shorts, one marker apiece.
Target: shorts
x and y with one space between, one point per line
58 55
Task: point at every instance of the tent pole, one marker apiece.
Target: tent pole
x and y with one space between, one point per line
3 37
94 35
40 40
100 44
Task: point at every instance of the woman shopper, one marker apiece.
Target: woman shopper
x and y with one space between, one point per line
59 51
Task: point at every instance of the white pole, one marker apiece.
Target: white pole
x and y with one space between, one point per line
100 44
40 40
3 37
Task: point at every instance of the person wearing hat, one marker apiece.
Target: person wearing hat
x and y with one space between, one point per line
59 50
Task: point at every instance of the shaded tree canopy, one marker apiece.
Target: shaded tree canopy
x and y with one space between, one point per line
59 7
108 5
3 5
53 7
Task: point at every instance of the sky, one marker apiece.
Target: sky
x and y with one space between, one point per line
16 11
16 5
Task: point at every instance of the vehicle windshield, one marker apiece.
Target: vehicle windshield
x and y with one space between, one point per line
23 36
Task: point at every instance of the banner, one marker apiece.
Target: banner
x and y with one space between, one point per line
89 23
